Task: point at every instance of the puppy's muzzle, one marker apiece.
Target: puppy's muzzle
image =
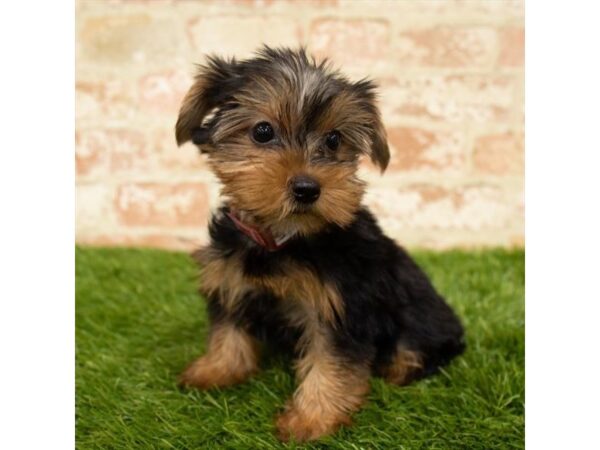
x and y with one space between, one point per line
306 190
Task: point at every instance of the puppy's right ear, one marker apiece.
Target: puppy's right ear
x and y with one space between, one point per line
213 84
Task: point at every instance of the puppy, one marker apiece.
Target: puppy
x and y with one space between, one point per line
295 261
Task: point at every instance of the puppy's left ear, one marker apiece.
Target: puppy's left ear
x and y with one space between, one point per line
380 152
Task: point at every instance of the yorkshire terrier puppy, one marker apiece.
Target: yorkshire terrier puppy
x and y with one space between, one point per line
295 261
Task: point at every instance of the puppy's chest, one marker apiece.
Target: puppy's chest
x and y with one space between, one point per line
299 287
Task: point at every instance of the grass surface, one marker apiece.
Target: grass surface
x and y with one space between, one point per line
140 321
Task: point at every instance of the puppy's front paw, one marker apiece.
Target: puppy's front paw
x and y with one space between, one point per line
302 426
201 374
205 373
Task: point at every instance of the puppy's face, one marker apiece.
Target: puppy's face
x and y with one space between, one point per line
284 136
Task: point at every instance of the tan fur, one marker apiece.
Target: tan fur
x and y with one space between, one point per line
302 285
232 357
404 364
345 115
224 276
257 181
329 391
361 129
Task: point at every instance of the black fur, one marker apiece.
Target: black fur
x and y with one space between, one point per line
387 299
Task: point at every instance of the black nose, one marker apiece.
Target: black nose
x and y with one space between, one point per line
305 189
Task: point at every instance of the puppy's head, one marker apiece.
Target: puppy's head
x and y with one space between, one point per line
284 135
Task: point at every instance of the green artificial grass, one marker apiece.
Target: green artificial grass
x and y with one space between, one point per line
140 321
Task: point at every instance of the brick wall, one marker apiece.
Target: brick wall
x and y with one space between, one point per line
451 76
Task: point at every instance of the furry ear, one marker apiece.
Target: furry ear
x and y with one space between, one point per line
213 84
380 152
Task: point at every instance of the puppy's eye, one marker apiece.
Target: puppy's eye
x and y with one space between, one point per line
263 132
333 139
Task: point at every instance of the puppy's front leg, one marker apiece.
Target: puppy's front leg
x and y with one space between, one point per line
231 358
330 390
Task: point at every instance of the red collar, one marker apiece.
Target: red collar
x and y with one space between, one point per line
263 238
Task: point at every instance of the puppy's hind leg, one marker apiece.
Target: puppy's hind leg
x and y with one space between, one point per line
405 366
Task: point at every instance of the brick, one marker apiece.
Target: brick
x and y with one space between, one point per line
270 3
437 11
450 98
241 36
350 41
90 159
131 153
470 207
93 209
174 160
131 41
154 204
415 149
105 100
104 151
512 47
162 93
499 154
446 46
498 9
143 2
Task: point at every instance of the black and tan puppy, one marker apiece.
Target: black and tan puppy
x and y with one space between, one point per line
295 260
